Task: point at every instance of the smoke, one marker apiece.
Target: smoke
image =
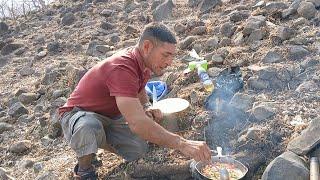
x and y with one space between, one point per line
227 121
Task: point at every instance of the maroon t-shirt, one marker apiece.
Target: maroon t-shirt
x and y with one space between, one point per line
123 74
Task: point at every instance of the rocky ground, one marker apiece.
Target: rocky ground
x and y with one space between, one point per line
276 44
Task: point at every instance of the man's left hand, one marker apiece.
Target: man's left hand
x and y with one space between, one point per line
155 114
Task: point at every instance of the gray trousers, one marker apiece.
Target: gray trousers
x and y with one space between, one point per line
86 131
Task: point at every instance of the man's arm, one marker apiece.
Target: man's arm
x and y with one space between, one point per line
143 97
149 130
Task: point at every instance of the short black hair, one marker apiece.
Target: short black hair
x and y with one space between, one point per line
157 32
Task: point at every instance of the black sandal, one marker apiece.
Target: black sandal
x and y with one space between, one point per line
90 175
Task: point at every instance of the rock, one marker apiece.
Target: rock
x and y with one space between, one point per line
259 4
93 51
237 16
49 78
197 47
308 86
43 54
5 127
285 33
58 93
106 26
267 73
275 6
179 28
194 99
256 35
194 3
46 140
28 98
106 12
155 4
20 147
217 58
25 164
163 11
200 30
68 19
26 71
238 39
59 102
3 28
309 63
212 43
253 23
300 21
242 101
17 109
286 166
53 47
114 38
2 44
37 167
308 139
18 92
131 30
295 4
186 42
227 29
225 42
307 10
288 12
214 71
206 5
272 57
25 118
47 176
9 48
297 53
253 133
315 2
4 174
263 111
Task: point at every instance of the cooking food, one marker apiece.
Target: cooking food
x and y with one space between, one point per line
212 171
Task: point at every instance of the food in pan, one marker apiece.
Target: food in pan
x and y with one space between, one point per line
212 171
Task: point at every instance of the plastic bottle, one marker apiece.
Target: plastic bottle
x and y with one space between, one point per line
205 79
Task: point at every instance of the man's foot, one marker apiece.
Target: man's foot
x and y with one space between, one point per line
84 174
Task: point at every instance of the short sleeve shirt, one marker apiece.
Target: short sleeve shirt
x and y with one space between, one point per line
123 74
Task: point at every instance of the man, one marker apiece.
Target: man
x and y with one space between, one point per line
109 107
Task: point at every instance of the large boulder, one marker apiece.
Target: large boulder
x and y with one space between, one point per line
308 139
286 166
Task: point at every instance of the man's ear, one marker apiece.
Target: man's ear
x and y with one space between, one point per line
147 47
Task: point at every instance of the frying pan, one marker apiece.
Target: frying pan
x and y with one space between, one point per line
222 159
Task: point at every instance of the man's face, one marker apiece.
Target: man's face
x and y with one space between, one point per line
160 56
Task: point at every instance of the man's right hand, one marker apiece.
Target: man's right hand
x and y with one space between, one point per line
198 150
